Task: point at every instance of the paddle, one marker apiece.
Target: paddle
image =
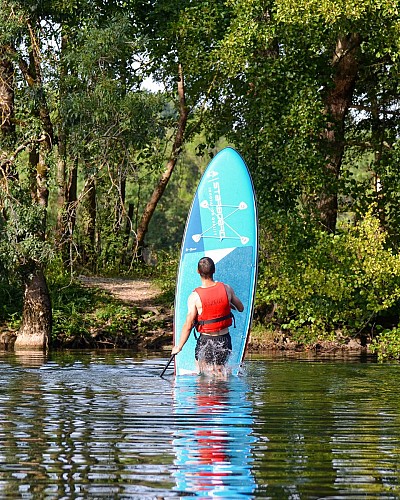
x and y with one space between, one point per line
167 365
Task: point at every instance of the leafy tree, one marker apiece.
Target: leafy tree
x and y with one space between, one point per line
307 92
110 122
81 98
180 43
326 285
297 75
25 193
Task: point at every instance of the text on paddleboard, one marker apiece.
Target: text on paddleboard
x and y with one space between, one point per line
215 200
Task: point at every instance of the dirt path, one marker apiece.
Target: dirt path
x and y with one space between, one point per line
144 295
138 292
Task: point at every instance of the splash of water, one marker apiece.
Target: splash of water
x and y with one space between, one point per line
210 354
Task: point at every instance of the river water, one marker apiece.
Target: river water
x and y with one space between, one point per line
105 425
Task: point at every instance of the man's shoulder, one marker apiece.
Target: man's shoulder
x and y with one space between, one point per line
194 296
228 287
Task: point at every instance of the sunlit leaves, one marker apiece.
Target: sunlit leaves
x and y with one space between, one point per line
344 282
332 11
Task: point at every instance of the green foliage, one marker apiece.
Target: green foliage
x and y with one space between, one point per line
22 226
387 344
80 314
166 272
257 73
175 203
324 284
277 58
10 301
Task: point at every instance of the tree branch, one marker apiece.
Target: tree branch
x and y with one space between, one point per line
175 152
6 162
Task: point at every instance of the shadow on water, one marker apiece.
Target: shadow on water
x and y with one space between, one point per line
214 439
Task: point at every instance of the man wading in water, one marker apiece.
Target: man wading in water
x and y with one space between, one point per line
209 310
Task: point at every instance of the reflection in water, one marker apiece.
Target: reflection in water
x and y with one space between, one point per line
104 425
31 358
213 447
333 430
83 427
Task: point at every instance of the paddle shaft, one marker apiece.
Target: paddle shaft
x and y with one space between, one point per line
167 365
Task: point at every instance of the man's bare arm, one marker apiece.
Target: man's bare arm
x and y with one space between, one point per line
233 299
188 325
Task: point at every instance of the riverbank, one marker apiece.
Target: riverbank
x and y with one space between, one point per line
146 295
134 314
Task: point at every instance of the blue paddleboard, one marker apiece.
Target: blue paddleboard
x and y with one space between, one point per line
222 225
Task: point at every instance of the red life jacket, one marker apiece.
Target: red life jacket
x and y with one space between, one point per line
216 310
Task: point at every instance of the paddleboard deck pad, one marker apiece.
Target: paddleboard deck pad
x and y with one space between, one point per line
222 225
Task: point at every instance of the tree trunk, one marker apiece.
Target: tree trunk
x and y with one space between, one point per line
36 325
129 219
337 105
89 251
35 330
162 183
120 203
61 183
70 212
7 125
61 230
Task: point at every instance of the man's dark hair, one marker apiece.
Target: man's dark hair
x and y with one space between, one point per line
206 267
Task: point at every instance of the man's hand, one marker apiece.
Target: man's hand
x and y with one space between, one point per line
175 350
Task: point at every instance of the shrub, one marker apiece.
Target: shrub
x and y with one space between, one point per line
387 345
166 272
323 283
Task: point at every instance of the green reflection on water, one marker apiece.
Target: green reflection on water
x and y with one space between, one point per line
332 430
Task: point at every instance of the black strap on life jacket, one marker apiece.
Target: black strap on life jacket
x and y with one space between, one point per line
209 321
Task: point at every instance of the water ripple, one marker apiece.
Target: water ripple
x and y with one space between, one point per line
90 425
